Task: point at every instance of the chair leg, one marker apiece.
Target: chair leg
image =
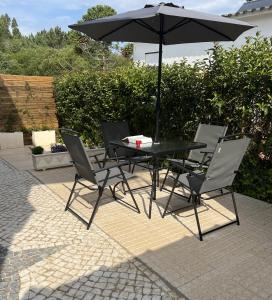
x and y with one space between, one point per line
95 207
114 188
133 199
171 195
235 208
71 194
124 189
98 162
149 169
133 168
195 201
164 180
105 160
100 192
129 190
113 192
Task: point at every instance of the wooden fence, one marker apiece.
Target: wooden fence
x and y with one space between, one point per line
27 102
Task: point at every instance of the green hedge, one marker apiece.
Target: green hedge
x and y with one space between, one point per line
231 87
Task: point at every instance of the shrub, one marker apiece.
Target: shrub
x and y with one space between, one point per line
37 150
238 86
58 148
231 87
85 99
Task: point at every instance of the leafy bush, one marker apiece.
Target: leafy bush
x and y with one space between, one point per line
58 148
85 99
231 87
238 85
37 150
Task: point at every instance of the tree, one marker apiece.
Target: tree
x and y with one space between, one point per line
53 51
15 30
99 52
127 51
53 38
98 11
4 27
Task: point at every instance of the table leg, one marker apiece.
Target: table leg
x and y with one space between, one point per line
158 177
154 185
150 207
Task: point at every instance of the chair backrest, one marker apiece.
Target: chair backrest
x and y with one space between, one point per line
208 134
115 131
78 154
225 163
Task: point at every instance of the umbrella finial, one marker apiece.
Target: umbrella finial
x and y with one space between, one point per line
148 5
170 4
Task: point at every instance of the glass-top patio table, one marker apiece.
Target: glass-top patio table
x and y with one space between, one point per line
156 151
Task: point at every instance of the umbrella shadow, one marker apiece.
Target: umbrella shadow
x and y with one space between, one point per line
131 279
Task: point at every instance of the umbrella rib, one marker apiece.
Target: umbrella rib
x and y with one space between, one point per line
114 30
146 26
212 29
178 25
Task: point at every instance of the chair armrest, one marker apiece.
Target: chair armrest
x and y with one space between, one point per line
207 156
180 166
119 165
95 155
96 158
207 151
234 136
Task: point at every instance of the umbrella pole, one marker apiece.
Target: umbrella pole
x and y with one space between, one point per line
158 102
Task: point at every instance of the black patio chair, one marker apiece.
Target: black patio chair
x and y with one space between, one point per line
117 131
100 179
200 158
220 174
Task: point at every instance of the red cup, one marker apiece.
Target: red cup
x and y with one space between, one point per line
138 143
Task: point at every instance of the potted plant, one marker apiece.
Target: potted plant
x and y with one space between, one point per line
37 150
56 157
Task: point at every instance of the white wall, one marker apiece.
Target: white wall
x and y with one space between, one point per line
197 51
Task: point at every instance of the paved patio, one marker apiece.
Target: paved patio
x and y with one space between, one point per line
47 253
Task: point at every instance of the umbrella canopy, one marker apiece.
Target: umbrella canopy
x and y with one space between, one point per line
165 24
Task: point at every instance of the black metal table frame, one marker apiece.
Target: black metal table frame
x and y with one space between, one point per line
156 163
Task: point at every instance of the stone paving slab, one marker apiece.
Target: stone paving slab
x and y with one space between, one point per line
233 263
46 253
221 267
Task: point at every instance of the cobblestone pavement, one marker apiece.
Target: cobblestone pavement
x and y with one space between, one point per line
47 254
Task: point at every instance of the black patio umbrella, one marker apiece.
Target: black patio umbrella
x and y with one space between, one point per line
164 24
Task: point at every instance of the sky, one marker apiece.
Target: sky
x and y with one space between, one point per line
35 15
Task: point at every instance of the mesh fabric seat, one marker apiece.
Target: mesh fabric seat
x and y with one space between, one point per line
200 158
99 179
220 174
208 134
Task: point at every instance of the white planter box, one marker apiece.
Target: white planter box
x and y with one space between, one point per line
60 159
43 138
11 140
